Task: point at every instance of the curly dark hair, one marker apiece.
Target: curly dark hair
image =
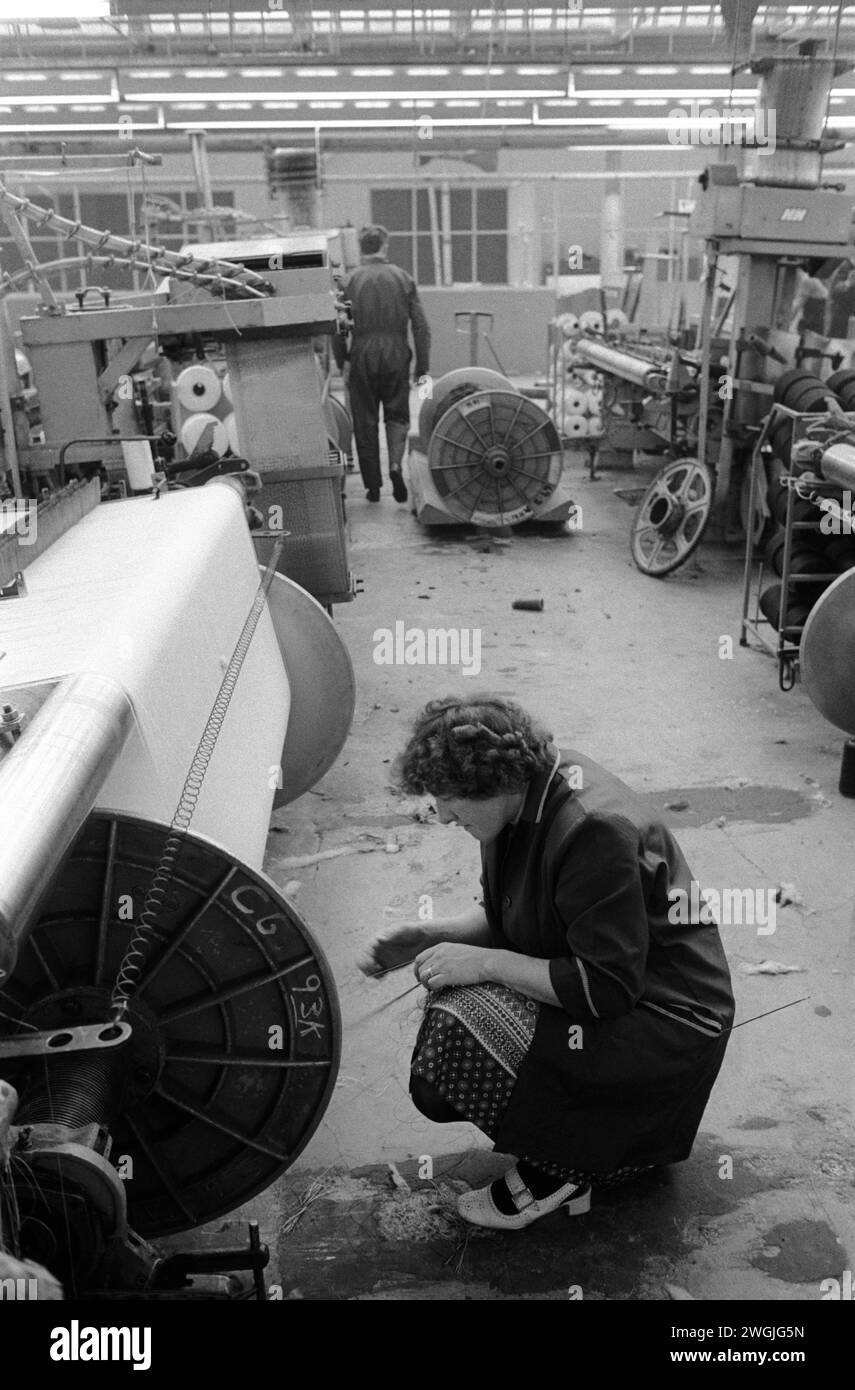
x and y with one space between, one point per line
472 748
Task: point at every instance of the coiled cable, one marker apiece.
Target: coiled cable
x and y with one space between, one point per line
133 961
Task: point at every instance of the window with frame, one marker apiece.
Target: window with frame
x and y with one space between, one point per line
446 235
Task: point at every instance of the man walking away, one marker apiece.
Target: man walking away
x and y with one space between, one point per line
385 303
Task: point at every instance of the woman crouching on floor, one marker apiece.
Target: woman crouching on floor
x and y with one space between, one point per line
569 1017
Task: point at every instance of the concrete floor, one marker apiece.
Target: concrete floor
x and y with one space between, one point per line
628 669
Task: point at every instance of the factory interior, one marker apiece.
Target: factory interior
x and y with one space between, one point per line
502 354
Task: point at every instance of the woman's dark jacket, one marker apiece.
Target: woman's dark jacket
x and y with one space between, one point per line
621 1073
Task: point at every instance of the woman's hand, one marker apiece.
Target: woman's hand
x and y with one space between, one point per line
451 963
394 946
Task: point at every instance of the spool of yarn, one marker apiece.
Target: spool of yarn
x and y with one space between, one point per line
595 424
231 431
840 552
139 464
594 398
569 324
617 319
196 425
575 402
227 387
574 426
198 388
592 321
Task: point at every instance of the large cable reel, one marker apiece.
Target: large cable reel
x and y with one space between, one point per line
233 1053
494 455
672 516
453 387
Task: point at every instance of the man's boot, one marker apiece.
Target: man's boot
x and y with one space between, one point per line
397 434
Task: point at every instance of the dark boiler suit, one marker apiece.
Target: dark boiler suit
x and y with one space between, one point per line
385 303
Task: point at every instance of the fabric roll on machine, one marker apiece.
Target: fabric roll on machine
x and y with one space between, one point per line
167 1020
169 1027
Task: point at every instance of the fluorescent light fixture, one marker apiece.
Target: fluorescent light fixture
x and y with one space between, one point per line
24 77
424 103
463 103
326 105
372 72
79 76
562 101
648 102
280 105
203 74
355 94
603 72
34 109
427 72
86 127
507 102
156 74
372 105
191 106
604 102
316 72
673 93
63 9
234 105
262 72
60 101
656 71
629 149
334 123
665 123
536 70
95 106
488 72
709 69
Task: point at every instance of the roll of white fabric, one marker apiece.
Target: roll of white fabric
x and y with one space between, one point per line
227 388
595 424
591 321
575 402
198 388
594 400
195 426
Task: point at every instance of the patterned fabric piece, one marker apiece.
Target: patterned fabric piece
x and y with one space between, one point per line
470 1046
598 1180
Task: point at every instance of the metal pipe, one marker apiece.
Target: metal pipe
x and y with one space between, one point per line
837 465
638 370
49 782
8 389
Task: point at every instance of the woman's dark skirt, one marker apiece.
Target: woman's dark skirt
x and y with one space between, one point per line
600 1101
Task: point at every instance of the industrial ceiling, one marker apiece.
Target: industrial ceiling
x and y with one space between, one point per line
512 74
